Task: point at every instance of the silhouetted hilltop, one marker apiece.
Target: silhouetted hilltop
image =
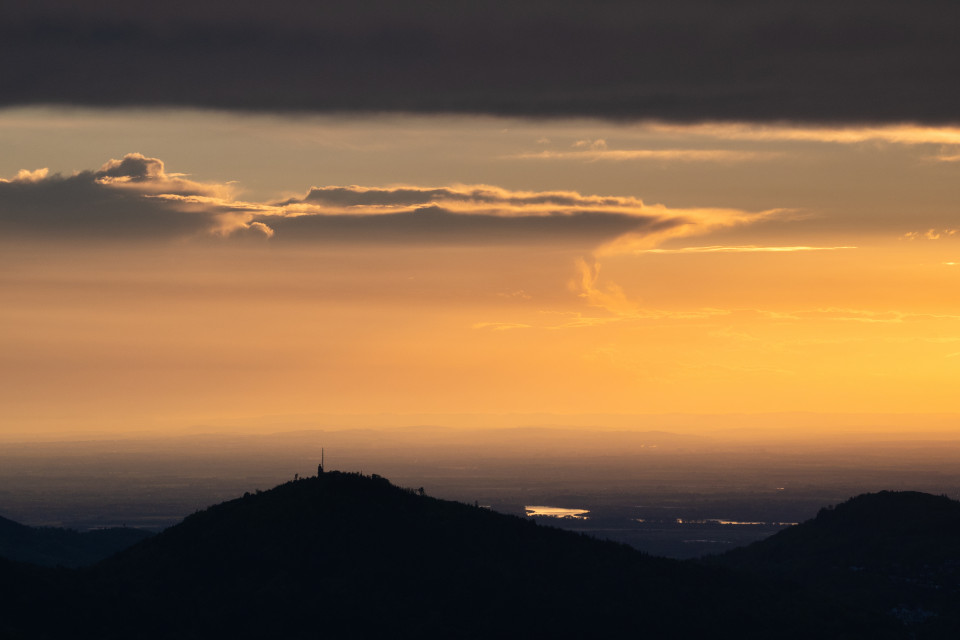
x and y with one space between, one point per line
51 546
893 551
348 556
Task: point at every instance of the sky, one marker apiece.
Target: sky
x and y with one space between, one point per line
215 212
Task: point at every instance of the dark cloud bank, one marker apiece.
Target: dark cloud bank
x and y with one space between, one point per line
857 60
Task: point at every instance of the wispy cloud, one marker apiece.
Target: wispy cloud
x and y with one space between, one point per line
625 312
666 155
500 326
610 296
613 299
744 249
930 234
476 199
897 134
694 222
857 315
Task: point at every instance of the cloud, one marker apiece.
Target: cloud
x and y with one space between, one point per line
594 145
436 225
857 315
610 297
474 197
111 202
136 197
908 134
133 167
688 60
591 154
930 234
743 249
261 228
25 175
695 222
500 326
518 294
478 214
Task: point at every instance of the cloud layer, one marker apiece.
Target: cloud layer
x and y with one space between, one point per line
816 60
136 198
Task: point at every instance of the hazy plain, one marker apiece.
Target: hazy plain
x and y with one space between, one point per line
667 493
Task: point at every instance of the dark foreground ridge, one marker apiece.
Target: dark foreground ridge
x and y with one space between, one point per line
895 551
349 556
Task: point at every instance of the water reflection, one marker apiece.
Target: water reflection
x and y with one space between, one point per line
732 522
556 512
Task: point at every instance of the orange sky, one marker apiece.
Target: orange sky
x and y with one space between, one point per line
468 266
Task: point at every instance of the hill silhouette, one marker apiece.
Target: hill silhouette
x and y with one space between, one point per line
349 556
895 551
53 546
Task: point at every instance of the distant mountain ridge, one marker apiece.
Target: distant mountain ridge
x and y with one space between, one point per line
343 555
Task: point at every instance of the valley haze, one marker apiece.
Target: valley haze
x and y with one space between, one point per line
681 491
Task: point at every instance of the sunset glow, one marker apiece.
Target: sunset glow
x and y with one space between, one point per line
394 265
